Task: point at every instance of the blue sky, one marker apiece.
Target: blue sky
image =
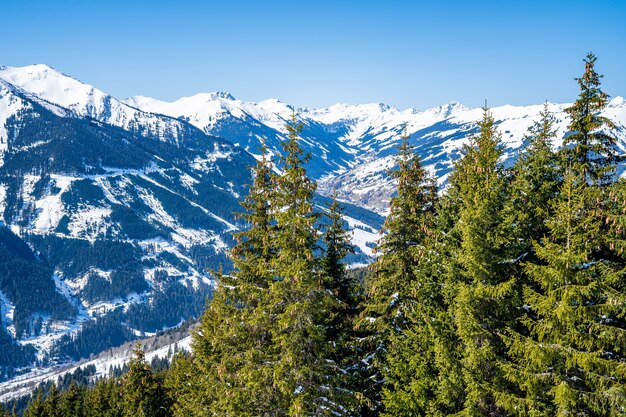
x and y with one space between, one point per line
316 53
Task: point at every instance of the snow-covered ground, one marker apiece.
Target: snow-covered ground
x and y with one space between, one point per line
25 383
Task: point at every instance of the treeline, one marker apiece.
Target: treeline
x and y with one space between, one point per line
501 295
135 390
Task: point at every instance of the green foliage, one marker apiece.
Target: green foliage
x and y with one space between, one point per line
104 399
142 394
390 295
36 408
593 151
535 183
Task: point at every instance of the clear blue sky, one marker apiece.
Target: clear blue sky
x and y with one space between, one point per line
316 53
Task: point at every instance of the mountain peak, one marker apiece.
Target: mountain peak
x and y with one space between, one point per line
215 95
617 101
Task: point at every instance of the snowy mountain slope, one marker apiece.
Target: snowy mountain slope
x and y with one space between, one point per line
107 222
113 215
246 124
352 146
83 100
161 346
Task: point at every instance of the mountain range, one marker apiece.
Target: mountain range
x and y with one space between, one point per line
353 146
113 212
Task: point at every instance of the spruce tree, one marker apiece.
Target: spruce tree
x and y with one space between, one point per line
389 294
140 391
52 402
337 244
535 183
591 148
347 293
232 342
71 403
186 385
297 304
485 298
571 360
36 407
103 400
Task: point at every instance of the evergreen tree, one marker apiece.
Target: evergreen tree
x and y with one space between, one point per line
389 288
140 389
103 400
186 386
36 406
347 293
71 402
232 342
535 183
571 359
592 150
52 402
297 303
337 244
485 298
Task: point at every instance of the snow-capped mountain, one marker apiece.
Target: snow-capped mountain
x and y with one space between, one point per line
352 146
111 217
115 223
44 83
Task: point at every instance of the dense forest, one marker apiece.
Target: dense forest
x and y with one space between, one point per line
501 295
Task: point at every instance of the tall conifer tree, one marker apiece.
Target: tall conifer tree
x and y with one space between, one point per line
297 302
592 149
389 287
36 407
572 360
347 292
485 299
103 400
141 396
233 340
535 183
51 404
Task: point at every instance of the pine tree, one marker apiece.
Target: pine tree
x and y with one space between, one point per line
232 342
347 293
337 282
71 403
103 400
186 385
337 246
571 360
36 406
52 402
593 151
535 183
389 295
485 299
140 391
297 302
